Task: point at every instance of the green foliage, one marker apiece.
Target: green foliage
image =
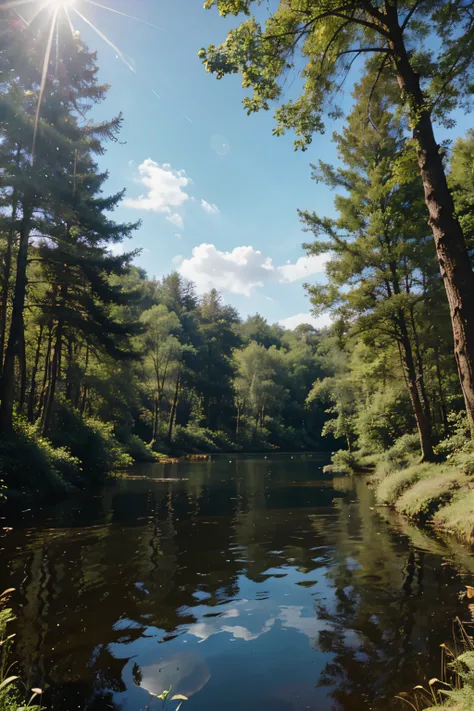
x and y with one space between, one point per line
197 439
458 516
91 441
458 439
13 694
396 482
31 463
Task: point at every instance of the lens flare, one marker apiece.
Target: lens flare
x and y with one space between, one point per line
61 4
59 11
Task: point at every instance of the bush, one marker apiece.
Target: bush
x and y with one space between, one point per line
197 439
459 439
404 450
342 461
384 419
91 441
137 449
30 463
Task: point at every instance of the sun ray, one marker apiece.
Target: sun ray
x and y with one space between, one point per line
15 3
21 17
68 16
37 12
124 14
44 76
106 39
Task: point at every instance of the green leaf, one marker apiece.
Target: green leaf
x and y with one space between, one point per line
9 680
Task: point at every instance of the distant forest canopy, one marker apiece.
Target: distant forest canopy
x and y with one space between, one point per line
102 365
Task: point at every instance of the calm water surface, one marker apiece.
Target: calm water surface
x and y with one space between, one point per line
256 583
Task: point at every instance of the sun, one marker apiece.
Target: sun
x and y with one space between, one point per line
58 9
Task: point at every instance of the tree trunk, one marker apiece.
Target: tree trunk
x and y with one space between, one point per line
46 373
423 421
7 269
7 385
237 424
55 363
420 369
449 240
22 359
32 393
442 400
173 408
55 368
85 388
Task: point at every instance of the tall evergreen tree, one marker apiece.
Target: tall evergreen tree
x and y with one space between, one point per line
381 257
428 49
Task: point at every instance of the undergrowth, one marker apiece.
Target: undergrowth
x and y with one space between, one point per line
14 696
455 689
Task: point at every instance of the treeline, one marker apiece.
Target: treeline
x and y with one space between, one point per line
400 277
99 364
393 370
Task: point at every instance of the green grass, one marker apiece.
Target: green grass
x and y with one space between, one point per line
394 483
434 488
457 517
440 494
14 696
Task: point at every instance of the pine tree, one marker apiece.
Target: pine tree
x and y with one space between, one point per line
382 261
58 193
427 48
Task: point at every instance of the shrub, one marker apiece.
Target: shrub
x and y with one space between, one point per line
91 441
137 449
31 463
342 461
459 439
197 439
383 419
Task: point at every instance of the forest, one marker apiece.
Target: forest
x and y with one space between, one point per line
103 365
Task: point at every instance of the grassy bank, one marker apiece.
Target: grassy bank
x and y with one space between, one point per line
439 494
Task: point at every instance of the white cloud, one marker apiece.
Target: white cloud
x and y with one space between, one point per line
178 236
317 321
240 271
303 267
178 259
210 208
176 220
164 190
243 270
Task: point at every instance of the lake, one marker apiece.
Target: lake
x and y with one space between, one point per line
256 583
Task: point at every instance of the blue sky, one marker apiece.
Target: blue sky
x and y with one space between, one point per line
216 192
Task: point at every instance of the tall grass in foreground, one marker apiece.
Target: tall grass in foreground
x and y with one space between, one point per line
454 689
13 694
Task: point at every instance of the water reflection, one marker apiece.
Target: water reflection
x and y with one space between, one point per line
256 584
